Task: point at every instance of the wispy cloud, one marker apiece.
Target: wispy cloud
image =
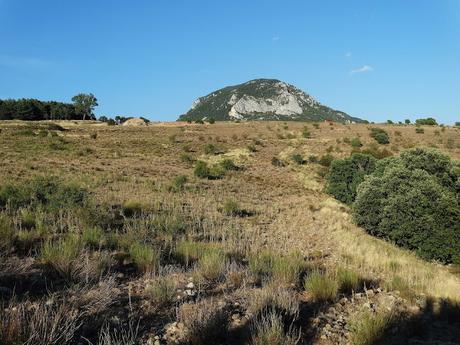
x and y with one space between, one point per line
348 55
364 69
275 38
22 62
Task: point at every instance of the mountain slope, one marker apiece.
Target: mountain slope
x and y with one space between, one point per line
263 99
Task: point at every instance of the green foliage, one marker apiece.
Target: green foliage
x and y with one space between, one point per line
277 162
270 330
228 165
321 286
232 208
61 255
346 174
413 201
326 160
348 280
6 234
297 158
178 183
144 257
407 121
202 170
380 135
162 290
356 142
33 109
84 104
212 265
132 208
92 237
367 328
419 130
306 133
45 192
427 122
212 120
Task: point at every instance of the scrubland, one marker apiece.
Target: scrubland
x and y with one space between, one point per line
206 234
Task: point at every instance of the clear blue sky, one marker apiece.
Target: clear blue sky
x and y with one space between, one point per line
373 59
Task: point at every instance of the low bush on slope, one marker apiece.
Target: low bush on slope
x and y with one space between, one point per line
412 200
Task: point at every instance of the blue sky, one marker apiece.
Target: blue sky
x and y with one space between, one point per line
373 59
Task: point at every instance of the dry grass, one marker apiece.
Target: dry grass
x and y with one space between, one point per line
148 210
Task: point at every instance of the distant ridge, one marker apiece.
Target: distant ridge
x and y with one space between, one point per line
263 99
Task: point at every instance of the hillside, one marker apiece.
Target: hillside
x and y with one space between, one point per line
113 231
263 99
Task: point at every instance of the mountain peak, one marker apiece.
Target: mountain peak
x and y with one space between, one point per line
263 99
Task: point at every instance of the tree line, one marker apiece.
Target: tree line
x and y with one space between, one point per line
29 109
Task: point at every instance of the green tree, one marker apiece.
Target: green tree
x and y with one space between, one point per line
346 174
85 104
407 121
413 201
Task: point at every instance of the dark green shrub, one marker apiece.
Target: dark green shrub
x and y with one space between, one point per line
277 162
427 122
212 121
356 143
178 183
47 192
326 160
414 202
306 133
313 159
210 149
419 130
297 158
380 135
202 170
228 165
346 174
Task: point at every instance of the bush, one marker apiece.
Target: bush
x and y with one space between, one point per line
206 323
356 143
306 133
47 192
162 290
232 208
178 183
212 265
326 160
211 120
297 158
228 165
348 280
427 122
419 130
277 162
61 255
132 208
210 149
321 286
368 328
92 237
414 202
346 174
380 135
202 170
144 257
270 330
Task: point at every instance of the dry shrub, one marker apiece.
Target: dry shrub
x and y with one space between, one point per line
270 330
205 322
271 298
37 325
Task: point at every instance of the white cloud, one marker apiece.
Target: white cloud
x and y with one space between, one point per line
364 69
348 55
275 38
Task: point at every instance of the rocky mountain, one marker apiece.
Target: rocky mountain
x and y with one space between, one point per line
263 99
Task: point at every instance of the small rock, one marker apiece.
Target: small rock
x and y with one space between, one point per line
190 286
